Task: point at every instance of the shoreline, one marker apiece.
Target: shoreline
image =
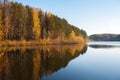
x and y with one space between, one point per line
37 43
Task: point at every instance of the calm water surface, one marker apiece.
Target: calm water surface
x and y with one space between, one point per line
94 61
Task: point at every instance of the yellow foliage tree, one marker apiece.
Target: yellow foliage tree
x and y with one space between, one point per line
76 38
1 26
73 35
49 15
36 28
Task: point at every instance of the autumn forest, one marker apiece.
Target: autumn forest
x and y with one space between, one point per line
24 23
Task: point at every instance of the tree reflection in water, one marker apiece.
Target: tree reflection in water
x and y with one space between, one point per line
103 46
32 63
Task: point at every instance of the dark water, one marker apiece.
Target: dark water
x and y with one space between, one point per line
95 61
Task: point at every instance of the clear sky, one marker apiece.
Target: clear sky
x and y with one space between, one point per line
94 16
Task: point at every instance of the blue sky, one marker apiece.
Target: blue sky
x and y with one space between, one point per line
94 16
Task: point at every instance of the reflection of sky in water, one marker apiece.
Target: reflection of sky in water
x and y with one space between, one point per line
104 45
95 64
115 43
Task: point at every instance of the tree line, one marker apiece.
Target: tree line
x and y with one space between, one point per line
19 22
105 37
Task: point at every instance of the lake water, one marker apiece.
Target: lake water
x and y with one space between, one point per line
91 61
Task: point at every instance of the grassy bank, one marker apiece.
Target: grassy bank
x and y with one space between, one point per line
40 42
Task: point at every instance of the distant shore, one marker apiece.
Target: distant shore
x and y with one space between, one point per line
105 37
